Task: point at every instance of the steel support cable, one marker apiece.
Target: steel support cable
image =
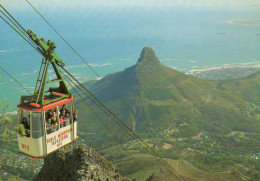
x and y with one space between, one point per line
98 117
129 131
15 22
61 37
102 123
114 92
81 85
22 31
15 80
21 35
96 113
13 18
96 74
90 97
158 158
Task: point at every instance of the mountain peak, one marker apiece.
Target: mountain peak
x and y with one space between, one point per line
148 56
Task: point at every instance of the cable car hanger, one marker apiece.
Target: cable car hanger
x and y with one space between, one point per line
46 49
56 93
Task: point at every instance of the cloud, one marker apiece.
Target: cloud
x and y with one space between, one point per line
29 87
192 61
126 59
232 65
90 64
194 66
26 73
75 66
100 65
168 59
174 67
206 69
10 50
248 64
99 78
245 21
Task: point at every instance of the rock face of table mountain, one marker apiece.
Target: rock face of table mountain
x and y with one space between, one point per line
77 163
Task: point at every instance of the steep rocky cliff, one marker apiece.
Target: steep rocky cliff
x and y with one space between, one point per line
77 162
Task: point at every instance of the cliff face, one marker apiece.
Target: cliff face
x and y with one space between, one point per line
77 163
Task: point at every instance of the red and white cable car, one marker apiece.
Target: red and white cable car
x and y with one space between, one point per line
47 119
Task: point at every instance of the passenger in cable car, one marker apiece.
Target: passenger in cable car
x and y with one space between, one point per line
61 120
64 109
48 126
55 111
54 121
67 119
26 127
48 114
75 115
63 112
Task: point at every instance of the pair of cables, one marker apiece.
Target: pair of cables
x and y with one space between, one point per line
17 27
8 18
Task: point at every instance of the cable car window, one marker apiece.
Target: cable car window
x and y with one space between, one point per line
52 121
24 124
65 115
37 125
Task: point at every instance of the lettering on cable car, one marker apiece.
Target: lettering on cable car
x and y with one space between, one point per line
25 147
57 139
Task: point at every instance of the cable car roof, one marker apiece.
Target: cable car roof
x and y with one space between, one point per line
30 106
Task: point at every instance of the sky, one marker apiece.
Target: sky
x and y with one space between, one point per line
83 4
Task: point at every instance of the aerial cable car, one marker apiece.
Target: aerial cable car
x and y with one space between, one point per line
46 119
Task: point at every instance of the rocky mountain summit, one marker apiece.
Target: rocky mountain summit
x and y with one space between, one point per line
151 95
77 163
148 56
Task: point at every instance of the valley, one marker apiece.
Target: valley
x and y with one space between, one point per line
204 129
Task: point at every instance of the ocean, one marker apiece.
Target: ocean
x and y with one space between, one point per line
111 39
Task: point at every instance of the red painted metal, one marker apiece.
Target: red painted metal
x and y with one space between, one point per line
29 106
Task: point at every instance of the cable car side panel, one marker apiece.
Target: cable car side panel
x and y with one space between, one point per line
59 138
31 147
30 141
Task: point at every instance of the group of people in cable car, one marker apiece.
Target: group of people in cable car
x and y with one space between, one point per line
52 120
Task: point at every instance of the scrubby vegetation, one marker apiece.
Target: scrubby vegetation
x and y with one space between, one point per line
210 129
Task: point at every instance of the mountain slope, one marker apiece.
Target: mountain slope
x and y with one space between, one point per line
149 94
77 163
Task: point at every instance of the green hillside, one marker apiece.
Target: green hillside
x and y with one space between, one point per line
151 95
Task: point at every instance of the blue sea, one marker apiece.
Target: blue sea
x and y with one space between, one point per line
111 39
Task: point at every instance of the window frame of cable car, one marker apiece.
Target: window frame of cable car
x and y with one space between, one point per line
34 123
20 119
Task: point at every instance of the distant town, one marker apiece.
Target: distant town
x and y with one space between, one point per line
224 72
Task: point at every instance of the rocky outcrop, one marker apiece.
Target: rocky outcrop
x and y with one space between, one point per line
77 163
148 57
